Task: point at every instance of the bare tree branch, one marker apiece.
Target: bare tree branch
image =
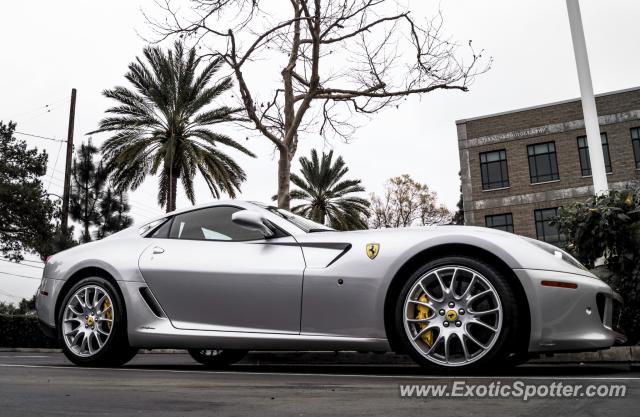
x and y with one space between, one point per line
351 57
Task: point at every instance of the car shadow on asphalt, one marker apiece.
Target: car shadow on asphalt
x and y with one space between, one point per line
527 370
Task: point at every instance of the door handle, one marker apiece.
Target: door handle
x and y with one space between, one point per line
158 250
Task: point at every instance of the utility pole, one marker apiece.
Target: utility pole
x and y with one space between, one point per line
589 110
67 169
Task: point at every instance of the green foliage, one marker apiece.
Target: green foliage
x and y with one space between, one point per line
58 242
26 213
458 216
162 126
93 201
23 331
328 197
24 307
608 227
405 203
7 309
113 211
88 181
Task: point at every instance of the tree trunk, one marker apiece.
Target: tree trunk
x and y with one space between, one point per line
86 238
171 192
284 179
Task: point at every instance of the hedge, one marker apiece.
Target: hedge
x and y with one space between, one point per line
22 331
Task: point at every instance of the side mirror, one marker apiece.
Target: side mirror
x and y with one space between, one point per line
252 220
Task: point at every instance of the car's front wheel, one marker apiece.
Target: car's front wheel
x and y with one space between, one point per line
457 313
92 325
216 358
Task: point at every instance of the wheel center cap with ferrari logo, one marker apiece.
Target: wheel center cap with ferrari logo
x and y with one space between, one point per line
90 321
452 315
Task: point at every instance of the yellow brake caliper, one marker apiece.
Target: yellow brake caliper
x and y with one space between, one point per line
108 312
423 313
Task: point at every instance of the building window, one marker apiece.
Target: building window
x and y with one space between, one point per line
500 221
545 231
543 165
583 151
493 168
635 139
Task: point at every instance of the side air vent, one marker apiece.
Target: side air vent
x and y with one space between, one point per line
600 303
151 301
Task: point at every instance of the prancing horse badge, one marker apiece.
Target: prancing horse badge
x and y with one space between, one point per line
372 250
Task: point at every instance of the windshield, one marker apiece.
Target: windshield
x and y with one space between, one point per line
306 225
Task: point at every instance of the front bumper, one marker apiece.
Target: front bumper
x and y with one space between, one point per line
567 319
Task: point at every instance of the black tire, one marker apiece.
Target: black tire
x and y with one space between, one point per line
116 350
502 352
217 359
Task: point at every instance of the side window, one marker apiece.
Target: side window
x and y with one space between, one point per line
213 223
162 232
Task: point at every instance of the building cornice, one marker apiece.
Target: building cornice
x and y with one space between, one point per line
465 143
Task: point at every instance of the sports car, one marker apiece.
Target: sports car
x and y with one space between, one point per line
224 278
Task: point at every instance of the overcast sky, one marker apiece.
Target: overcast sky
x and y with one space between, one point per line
50 47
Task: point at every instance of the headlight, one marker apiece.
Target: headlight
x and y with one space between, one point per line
557 252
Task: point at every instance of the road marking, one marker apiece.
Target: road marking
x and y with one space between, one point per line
198 372
24 356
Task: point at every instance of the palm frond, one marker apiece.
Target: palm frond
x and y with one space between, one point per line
161 125
328 198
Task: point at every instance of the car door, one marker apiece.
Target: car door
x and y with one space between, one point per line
208 273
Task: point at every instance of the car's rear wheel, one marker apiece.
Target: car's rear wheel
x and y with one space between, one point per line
92 325
458 313
217 358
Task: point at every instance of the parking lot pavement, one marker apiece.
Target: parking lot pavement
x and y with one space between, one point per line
46 384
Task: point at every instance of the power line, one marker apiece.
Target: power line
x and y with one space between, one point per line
54 165
16 263
38 136
20 276
42 108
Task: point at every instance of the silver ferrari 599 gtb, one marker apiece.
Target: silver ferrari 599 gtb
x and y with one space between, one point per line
228 277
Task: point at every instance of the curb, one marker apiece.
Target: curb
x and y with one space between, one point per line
617 354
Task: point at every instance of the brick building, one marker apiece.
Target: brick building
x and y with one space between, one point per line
519 167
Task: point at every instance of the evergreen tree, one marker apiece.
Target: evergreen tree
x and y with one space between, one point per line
88 181
26 212
113 212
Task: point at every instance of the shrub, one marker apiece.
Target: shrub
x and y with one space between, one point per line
23 331
607 227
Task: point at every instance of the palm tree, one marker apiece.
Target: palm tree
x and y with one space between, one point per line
163 125
327 195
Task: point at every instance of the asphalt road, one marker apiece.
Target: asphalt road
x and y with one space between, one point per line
45 384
